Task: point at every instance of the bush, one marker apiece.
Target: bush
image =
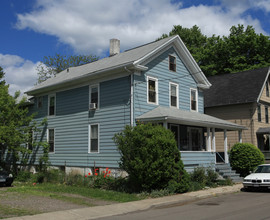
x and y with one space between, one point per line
199 176
151 158
212 177
202 177
23 176
245 157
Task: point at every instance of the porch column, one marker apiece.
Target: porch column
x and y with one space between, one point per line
213 140
165 124
240 136
226 147
208 140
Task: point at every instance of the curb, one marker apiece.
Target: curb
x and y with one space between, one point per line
124 208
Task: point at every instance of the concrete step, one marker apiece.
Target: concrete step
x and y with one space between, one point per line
226 171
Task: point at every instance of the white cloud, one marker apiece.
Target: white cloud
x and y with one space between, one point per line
20 74
263 4
87 25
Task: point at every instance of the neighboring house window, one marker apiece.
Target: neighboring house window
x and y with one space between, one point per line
193 99
173 95
50 139
266 114
172 63
39 102
51 104
94 138
152 88
267 88
259 113
94 95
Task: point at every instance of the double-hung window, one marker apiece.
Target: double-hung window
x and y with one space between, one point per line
93 138
30 140
94 96
39 101
259 113
172 63
174 95
51 139
152 90
266 114
193 100
51 106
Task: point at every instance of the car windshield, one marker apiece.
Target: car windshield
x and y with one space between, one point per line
263 169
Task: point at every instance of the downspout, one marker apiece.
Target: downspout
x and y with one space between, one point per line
131 96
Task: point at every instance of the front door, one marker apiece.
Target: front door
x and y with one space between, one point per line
195 139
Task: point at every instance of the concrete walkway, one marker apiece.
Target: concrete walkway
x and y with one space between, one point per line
123 208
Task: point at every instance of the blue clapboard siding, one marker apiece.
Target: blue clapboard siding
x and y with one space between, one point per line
192 160
159 68
72 120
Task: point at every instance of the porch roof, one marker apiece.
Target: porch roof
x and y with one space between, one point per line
263 130
173 115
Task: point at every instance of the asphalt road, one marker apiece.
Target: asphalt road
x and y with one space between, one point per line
242 205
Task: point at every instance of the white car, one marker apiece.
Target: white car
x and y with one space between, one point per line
260 179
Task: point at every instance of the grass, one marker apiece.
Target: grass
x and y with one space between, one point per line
49 189
7 212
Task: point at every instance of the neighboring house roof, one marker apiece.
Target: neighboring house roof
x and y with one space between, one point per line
178 116
236 88
131 59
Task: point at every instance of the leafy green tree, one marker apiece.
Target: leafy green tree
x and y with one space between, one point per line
192 37
245 157
243 49
2 74
151 158
51 65
15 128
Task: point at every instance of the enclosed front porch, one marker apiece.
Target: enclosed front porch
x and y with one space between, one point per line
195 134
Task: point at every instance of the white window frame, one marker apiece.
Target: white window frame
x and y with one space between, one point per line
89 138
90 93
177 95
51 152
49 96
156 86
170 63
196 93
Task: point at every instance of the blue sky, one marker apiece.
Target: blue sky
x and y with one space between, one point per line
32 29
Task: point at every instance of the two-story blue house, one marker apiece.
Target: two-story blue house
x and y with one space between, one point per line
159 82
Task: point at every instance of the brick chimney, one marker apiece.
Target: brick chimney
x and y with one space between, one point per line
114 47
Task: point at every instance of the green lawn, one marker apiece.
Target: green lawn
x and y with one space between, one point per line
49 189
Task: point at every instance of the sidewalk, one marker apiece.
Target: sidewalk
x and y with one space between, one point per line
123 208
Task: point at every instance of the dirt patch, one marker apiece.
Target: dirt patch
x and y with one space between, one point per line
41 204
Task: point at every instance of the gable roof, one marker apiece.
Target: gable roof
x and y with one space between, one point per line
236 88
174 115
131 59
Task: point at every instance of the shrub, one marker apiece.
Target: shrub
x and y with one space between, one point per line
199 176
23 176
151 158
211 177
202 177
244 157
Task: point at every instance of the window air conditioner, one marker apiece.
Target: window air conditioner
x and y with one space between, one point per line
92 106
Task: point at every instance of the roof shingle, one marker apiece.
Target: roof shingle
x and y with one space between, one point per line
235 88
